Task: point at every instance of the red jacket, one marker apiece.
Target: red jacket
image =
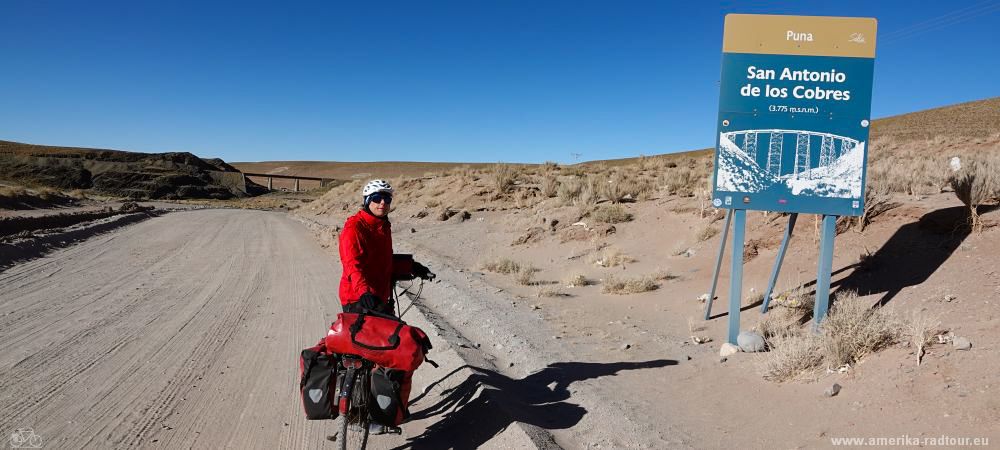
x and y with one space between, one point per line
366 256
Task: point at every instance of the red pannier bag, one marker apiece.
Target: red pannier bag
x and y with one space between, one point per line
385 341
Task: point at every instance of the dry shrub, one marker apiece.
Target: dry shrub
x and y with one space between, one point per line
613 190
850 332
921 329
708 232
526 276
502 265
975 183
791 356
12 191
780 323
503 177
611 214
550 166
878 200
551 291
550 186
611 257
799 298
592 190
622 286
569 191
576 280
47 193
78 194
679 181
664 275
853 330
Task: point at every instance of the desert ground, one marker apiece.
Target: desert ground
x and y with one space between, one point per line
568 312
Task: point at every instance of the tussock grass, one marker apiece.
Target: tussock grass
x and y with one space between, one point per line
505 266
708 232
569 191
791 357
576 280
622 286
850 332
592 190
550 186
975 183
12 191
921 329
526 276
551 292
854 330
611 257
503 177
611 214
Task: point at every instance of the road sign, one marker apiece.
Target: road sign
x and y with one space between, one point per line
794 112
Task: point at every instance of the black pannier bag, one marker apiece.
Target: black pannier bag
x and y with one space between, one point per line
318 383
386 405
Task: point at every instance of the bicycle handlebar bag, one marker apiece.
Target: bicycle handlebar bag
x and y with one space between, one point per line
383 340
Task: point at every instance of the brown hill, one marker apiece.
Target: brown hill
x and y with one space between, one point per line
126 174
977 119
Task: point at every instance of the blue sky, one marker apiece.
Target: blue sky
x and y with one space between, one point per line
519 81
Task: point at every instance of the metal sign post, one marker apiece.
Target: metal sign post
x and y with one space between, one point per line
780 259
793 124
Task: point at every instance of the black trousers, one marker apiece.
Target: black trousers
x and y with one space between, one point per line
386 307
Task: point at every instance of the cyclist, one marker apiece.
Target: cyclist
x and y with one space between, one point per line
366 254
370 268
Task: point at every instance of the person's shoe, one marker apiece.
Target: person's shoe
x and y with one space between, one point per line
377 428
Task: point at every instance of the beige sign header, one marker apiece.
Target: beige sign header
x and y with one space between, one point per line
800 35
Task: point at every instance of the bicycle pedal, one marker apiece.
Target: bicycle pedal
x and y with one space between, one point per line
377 428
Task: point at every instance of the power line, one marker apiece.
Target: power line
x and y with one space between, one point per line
942 21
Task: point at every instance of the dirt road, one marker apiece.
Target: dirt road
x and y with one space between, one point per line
181 331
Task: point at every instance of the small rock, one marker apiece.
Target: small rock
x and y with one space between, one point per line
832 390
687 357
703 298
750 342
723 359
949 298
626 346
728 349
536 307
413 230
962 343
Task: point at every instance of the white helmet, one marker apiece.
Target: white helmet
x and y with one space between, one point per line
374 186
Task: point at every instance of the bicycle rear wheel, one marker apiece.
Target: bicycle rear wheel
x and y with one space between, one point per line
354 425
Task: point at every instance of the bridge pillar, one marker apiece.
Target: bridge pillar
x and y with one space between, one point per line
296 185
270 185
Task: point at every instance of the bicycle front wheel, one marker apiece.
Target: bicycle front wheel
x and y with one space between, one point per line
354 425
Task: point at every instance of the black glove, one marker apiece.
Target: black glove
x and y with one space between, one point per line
422 272
369 301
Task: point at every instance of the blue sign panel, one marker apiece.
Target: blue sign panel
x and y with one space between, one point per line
792 126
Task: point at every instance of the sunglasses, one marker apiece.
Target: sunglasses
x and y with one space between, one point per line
379 197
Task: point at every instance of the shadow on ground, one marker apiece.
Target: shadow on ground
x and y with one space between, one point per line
913 253
487 402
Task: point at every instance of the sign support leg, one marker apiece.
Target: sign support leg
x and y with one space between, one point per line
824 270
777 263
736 274
718 264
